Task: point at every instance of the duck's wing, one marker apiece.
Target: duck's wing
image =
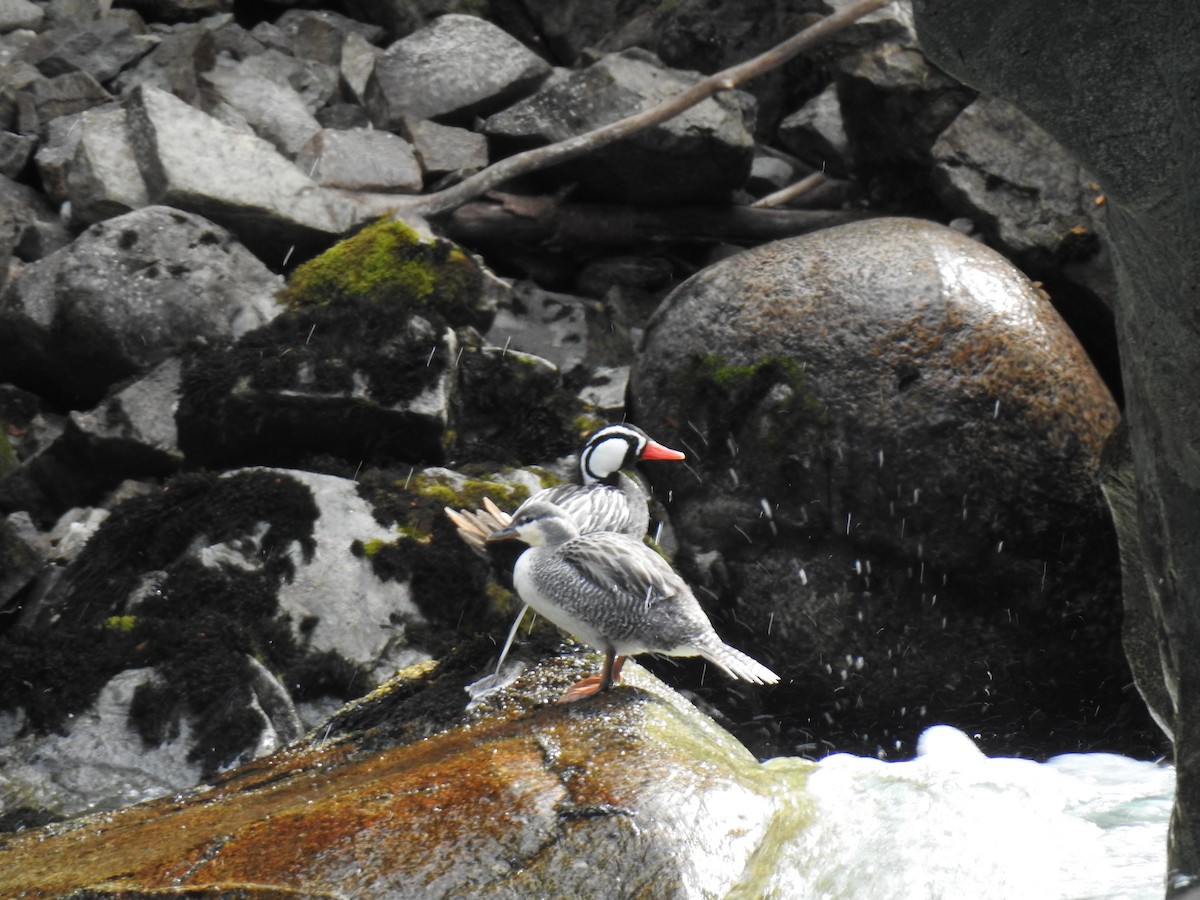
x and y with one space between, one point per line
624 568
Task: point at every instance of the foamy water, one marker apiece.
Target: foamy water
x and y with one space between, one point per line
953 823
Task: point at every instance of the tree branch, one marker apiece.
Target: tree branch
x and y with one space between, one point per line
553 154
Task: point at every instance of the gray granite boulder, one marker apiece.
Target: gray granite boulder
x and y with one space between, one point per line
702 154
893 442
193 162
123 297
102 178
466 67
274 111
361 159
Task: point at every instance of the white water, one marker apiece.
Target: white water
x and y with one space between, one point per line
953 823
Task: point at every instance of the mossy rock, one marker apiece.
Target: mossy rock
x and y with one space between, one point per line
388 262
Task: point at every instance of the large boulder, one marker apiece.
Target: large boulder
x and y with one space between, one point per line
124 296
893 443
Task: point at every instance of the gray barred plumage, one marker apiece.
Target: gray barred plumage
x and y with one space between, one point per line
613 592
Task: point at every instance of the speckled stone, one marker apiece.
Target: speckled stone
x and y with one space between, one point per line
893 440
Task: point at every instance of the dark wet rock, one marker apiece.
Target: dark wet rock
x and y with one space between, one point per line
893 443
466 66
124 296
635 793
1136 135
272 110
102 178
1031 200
193 162
894 103
361 159
817 134
702 154
444 148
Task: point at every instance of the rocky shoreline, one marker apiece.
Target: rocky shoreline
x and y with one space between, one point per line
234 400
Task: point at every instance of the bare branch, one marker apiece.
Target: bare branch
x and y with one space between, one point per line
553 154
539 219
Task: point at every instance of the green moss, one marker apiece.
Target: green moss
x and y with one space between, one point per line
8 458
372 547
470 493
774 384
121 623
388 262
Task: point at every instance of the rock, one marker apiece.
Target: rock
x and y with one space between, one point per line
376 367
101 48
703 154
60 96
28 224
307 25
356 62
123 297
175 65
274 111
894 103
533 800
131 435
466 67
817 134
95 765
181 10
444 148
1127 131
53 156
15 152
554 326
226 598
361 159
21 557
103 179
1009 176
893 440
317 83
192 162
16 14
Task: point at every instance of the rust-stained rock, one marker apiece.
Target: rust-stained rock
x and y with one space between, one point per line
893 442
628 794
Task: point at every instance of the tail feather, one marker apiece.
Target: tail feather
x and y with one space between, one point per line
737 664
474 526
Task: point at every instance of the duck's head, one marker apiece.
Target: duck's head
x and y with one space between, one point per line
618 446
538 524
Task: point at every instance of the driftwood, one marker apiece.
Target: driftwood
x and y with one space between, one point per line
513 219
451 198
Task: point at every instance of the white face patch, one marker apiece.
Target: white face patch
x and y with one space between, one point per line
605 457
